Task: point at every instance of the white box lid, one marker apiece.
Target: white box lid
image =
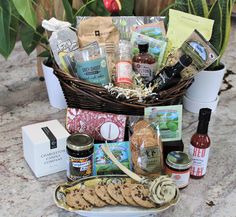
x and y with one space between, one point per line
37 135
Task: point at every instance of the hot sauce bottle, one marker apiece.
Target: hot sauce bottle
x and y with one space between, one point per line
200 145
144 63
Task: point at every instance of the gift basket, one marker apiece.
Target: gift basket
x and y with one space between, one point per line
124 64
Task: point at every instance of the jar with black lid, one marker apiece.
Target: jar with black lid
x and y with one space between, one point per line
80 149
178 165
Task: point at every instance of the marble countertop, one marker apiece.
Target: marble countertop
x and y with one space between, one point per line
23 101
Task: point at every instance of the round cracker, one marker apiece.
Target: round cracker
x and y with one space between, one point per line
140 125
140 195
126 193
114 191
101 191
90 196
75 200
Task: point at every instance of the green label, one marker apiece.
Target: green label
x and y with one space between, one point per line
93 71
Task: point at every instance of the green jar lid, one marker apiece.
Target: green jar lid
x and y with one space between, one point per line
178 160
80 142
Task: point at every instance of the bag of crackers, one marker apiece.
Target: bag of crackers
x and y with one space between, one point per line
146 146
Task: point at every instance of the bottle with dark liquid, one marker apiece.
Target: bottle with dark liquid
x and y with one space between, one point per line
200 145
168 74
144 63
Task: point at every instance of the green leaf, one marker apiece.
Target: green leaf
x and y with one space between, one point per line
191 8
216 15
68 11
26 10
30 38
127 8
96 7
9 27
5 20
226 24
45 53
200 7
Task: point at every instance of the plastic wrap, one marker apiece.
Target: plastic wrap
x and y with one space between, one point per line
146 147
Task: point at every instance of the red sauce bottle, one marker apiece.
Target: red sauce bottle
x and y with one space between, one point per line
200 145
144 63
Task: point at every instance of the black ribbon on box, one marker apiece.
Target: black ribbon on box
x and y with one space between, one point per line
51 137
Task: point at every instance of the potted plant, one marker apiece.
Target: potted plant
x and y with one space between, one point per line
18 18
205 88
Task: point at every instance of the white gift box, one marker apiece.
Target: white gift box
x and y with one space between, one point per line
44 146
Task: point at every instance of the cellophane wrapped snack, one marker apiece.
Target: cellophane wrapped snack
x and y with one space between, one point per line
146 147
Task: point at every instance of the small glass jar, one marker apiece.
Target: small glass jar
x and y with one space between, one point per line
91 65
80 149
178 165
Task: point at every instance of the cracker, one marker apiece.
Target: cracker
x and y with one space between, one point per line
75 200
140 195
91 197
126 193
101 191
114 191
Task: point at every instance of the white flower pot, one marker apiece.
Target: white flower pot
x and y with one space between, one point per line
55 94
204 90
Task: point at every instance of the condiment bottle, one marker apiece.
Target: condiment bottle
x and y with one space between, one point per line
124 71
200 145
167 74
144 63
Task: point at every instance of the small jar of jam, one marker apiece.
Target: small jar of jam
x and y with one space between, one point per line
80 149
178 165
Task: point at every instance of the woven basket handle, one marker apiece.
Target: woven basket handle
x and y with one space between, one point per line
132 175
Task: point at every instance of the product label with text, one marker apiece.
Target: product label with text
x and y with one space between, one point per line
124 72
200 160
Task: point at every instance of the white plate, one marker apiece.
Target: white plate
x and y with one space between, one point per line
108 211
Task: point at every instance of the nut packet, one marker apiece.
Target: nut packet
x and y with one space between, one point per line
201 51
63 39
102 30
146 146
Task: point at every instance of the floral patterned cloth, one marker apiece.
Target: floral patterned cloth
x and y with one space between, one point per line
101 126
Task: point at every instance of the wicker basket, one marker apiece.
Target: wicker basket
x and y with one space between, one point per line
83 95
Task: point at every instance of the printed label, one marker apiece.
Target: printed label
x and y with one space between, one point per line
79 167
124 72
145 70
93 71
200 160
109 131
181 179
149 159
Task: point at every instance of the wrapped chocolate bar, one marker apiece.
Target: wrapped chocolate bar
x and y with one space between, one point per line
101 126
146 146
63 39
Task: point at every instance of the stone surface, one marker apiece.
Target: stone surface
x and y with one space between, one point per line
23 101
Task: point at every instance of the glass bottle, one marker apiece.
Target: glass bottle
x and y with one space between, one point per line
144 63
124 71
167 75
200 145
